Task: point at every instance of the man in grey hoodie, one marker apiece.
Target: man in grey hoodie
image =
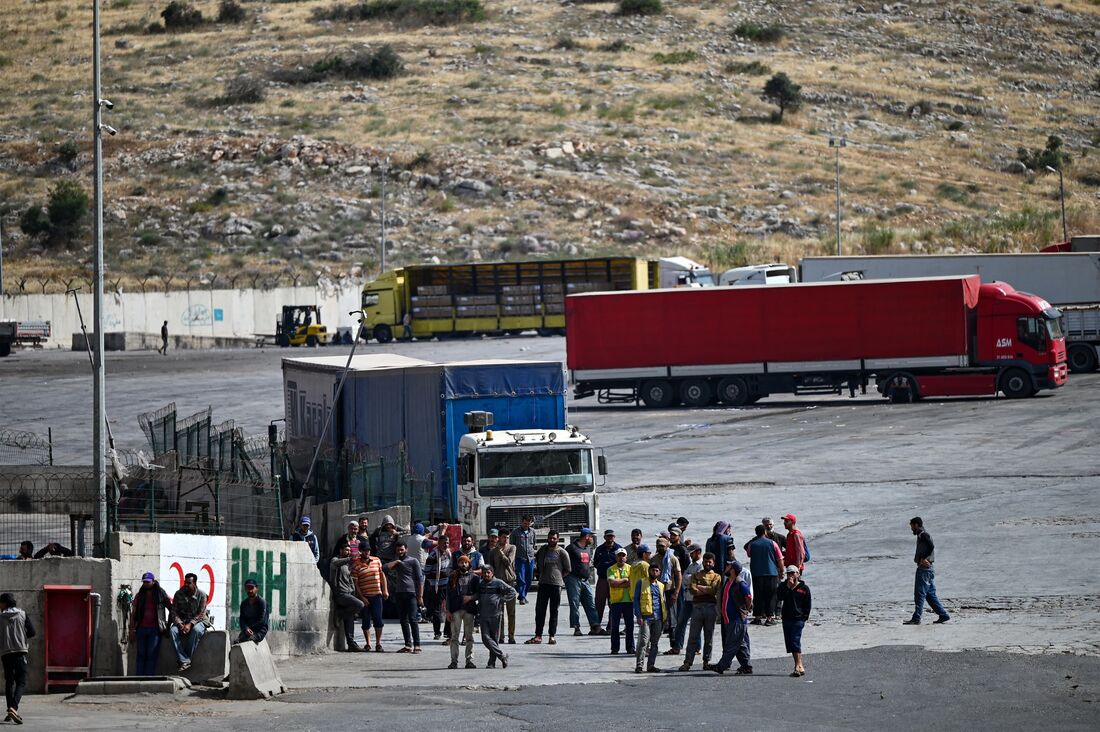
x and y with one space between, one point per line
15 630
493 595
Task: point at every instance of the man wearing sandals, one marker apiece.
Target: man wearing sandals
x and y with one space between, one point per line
736 607
408 587
795 596
371 586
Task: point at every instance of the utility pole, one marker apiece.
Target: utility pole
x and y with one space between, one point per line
99 398
837 143
1061 195
383 166
1 255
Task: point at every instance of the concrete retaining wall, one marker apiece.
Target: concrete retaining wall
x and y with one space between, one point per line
199 312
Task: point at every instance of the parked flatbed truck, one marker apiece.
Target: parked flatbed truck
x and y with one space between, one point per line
453 300
942 336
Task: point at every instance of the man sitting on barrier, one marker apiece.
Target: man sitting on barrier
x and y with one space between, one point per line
253 615
188 619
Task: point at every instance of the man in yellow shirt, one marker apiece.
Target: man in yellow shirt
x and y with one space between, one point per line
620 602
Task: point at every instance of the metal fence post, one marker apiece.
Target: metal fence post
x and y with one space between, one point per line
49 437
152 495
217 504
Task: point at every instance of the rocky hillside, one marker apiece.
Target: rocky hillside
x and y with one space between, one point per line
249 144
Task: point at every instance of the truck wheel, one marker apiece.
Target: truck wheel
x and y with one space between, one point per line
901 389
1016 384
284 340
311 341
1082 359
657 394
696 392
733 391
383 334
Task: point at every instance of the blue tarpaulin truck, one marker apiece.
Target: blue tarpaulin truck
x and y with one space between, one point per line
526 461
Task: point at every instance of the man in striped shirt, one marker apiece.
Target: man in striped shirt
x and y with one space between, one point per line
370 583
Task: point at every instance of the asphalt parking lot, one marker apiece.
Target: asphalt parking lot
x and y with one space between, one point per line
1008 489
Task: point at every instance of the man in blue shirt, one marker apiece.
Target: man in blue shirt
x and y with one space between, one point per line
650 613
523 538
603 559
304 533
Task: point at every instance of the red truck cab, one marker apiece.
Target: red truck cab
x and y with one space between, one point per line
1021 335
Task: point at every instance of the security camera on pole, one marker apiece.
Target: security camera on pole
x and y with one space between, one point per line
99 396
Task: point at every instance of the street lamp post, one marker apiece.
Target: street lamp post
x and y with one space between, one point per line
1062 197
837 143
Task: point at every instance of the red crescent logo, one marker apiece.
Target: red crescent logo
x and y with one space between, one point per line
176 566
210 574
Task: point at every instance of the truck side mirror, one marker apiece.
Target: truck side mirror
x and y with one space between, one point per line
601 464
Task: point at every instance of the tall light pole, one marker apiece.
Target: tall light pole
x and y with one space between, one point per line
99 393
1062 196
837 143
383 166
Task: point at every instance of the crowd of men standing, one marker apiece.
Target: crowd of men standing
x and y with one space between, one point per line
682 590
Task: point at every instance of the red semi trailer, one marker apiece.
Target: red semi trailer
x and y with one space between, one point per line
939 336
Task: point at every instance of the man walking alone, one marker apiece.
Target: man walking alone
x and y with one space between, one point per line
925 584
15 630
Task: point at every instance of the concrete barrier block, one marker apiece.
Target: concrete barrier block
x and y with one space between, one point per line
210 661
252 672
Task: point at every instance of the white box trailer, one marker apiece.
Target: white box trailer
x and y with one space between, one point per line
1069 281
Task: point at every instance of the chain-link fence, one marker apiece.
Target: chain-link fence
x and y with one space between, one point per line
193 500
25 448
371 482
48 508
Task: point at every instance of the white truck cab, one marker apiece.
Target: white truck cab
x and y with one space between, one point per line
548 474
683 272
759 274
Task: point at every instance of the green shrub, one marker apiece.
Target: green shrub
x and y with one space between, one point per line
407 12
676 57
566 43
68 152
748 68
67 205
1052 155
759 33
230 11
380 63
243 89
34 221
877 239
616 46
5 61
641 7
181 16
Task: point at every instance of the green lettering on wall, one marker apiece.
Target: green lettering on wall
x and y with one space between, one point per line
263 572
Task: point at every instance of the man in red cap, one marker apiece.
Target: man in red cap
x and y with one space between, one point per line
794 553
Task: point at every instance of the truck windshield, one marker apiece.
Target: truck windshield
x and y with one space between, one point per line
704 279
1054 328
527 472
370 299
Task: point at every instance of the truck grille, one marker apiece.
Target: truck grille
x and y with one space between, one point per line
568 519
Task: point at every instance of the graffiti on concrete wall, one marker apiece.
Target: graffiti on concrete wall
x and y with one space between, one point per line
271 577
196 315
